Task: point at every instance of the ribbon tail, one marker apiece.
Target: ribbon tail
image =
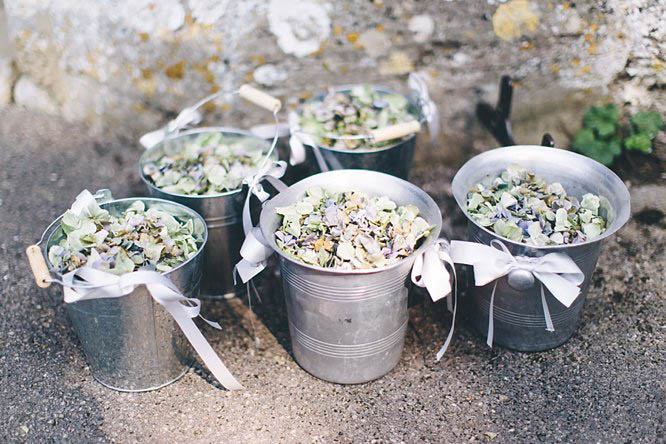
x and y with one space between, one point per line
250 287
202 347
256 292
296 151
444 347
546 311
562 289
213 324
491 322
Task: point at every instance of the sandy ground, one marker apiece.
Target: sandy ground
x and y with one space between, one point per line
605 385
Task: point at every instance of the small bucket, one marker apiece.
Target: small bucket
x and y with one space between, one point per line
222 213
131 343
348 326
519 322
395 159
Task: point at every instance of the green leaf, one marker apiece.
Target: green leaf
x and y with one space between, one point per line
648 123
602 119
603 152
605 129
583 139
639 142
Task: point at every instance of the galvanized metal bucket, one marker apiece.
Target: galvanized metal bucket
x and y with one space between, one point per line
348 326
519 322
395 159
222 213
131 343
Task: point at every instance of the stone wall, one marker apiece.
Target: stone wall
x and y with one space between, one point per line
127 65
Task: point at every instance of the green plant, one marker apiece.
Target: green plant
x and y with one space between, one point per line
644 127
599 138
603 136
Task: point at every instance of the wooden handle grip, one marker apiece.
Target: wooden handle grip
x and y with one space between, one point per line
38 265
260 98
395 131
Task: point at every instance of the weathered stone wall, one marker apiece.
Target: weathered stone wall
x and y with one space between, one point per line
125 65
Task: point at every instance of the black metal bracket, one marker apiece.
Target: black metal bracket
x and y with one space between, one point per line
497 119
547 140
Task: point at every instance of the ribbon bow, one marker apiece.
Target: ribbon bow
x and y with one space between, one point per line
297 143
429 272
96 284
556 271
254 251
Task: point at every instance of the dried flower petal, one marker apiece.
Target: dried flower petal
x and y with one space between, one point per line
352 113
520 206
152 239
207 164
361 231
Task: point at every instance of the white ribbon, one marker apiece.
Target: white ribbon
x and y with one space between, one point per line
428 107
255 251
297 142
87 283
97 284
429 271
188 116
556 271
270 171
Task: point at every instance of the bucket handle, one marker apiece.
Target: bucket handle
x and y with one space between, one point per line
191 115
395 131
38 266
260 98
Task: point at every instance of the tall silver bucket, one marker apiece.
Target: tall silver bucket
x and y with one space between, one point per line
131 343
348 326
519 322
222 213
395 159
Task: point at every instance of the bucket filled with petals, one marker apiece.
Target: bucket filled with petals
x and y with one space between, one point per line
208 170
131 270
536 219
347 241
361 127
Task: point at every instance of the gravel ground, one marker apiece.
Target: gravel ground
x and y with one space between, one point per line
605 385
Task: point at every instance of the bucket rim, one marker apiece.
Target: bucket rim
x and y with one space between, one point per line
430 240
203 129
346 87
619 221
134 199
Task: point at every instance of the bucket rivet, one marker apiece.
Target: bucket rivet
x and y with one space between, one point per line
521 280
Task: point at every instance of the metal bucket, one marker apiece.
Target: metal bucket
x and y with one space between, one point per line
395 159
222 213
519 322
348 326
131 343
